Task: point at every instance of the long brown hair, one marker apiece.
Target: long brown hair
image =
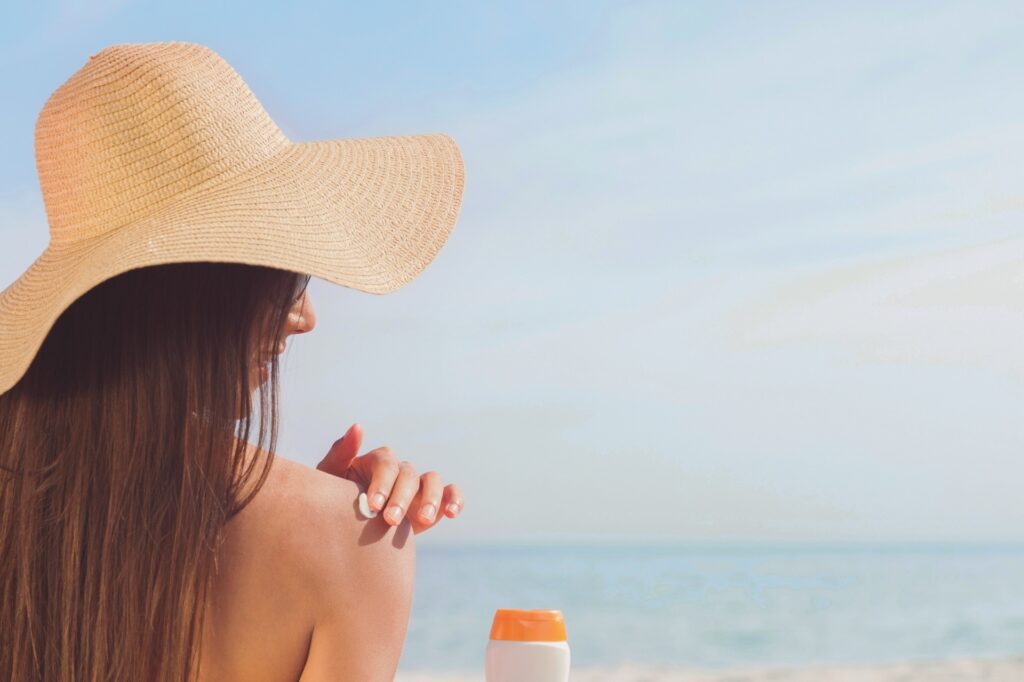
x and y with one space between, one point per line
123 453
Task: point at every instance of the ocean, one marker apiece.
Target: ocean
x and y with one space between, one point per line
724 606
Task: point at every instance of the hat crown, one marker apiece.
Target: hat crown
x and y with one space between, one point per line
139 126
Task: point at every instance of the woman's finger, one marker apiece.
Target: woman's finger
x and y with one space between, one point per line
338 459
406 486
430 496
385 470
451 496
452 503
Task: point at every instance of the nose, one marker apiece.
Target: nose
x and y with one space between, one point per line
302 318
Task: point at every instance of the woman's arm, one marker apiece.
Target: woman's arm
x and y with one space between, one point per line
360 588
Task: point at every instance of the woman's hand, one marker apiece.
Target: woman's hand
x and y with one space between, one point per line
393 482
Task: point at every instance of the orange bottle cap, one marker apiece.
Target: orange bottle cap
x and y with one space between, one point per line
533 625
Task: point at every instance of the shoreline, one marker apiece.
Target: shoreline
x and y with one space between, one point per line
965 669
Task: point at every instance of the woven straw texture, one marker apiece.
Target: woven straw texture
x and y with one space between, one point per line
158 153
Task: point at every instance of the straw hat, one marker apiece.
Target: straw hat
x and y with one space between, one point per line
157 153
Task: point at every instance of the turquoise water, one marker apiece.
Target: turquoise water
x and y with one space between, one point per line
724 606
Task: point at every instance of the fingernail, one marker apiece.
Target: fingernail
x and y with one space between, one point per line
453 508
428 512
394 513
378 500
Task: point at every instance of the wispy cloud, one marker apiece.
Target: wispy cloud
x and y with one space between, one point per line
961 307
765 255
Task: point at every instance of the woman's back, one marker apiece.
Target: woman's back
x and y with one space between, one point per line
306 588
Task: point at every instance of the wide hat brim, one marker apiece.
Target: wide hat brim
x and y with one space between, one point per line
365 213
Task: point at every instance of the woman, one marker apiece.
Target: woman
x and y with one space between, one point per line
142 535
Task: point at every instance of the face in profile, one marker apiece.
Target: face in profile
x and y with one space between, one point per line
301 319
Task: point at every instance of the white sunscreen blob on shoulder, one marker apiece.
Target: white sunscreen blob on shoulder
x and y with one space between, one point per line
364 507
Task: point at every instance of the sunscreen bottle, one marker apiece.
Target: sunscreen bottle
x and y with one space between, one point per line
527 646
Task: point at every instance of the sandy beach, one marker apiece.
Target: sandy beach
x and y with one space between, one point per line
958 670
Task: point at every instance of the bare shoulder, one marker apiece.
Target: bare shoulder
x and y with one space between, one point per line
359 575
311 520
301 568
319 514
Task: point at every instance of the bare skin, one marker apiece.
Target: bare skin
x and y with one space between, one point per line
306 588
392 486
301 320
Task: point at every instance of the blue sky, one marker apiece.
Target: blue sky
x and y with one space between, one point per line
723 271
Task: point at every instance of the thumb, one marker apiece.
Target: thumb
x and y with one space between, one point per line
342 452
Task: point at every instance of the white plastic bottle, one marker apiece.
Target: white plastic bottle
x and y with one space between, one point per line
527 646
